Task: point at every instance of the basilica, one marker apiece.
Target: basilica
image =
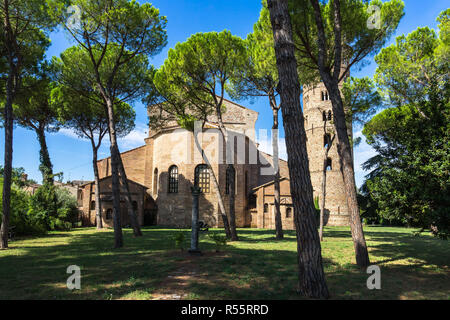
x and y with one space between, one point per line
162 171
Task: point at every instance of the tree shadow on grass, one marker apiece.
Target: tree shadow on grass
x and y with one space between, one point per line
263 235
40 272
145 263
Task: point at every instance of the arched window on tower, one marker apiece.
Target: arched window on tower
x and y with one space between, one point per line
231 172
266 208
326 140
324 116
329 166
173 179
202 178
329 115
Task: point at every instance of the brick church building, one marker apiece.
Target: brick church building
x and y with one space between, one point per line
162 171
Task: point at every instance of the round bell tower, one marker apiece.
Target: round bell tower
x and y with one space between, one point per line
318 123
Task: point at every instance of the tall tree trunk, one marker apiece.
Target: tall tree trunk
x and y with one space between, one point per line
11 89
231 179
346 159
45 166
331 82
324 192
311 276
223 130
329 143
223 213
98 208
7 175
276 164
118 236
131 213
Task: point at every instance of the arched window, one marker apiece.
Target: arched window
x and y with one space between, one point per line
288 212
324 116
329 167
155 181
326 140
231 172
173 179
109 213
202 178
92 205
329 115
266 208
135 205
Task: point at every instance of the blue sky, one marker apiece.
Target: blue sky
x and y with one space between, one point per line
72 155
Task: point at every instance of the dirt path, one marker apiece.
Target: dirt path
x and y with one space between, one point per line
176 285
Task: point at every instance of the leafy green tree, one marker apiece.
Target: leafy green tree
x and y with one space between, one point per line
330 37
117 36
193 81
33 111
409 178
311 277
18 177
81 110
260 78
50 208
361 99
23 39
414 67
53 207
21 222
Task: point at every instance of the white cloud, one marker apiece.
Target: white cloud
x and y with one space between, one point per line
135 138
265 144
68 133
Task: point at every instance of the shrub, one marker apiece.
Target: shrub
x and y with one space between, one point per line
23 223
219 240
54 207
179 239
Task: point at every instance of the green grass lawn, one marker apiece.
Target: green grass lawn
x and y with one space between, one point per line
257 267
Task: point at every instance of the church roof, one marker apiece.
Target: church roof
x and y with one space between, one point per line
123 152
109 177
269 183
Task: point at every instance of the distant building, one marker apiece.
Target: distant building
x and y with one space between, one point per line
31 189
